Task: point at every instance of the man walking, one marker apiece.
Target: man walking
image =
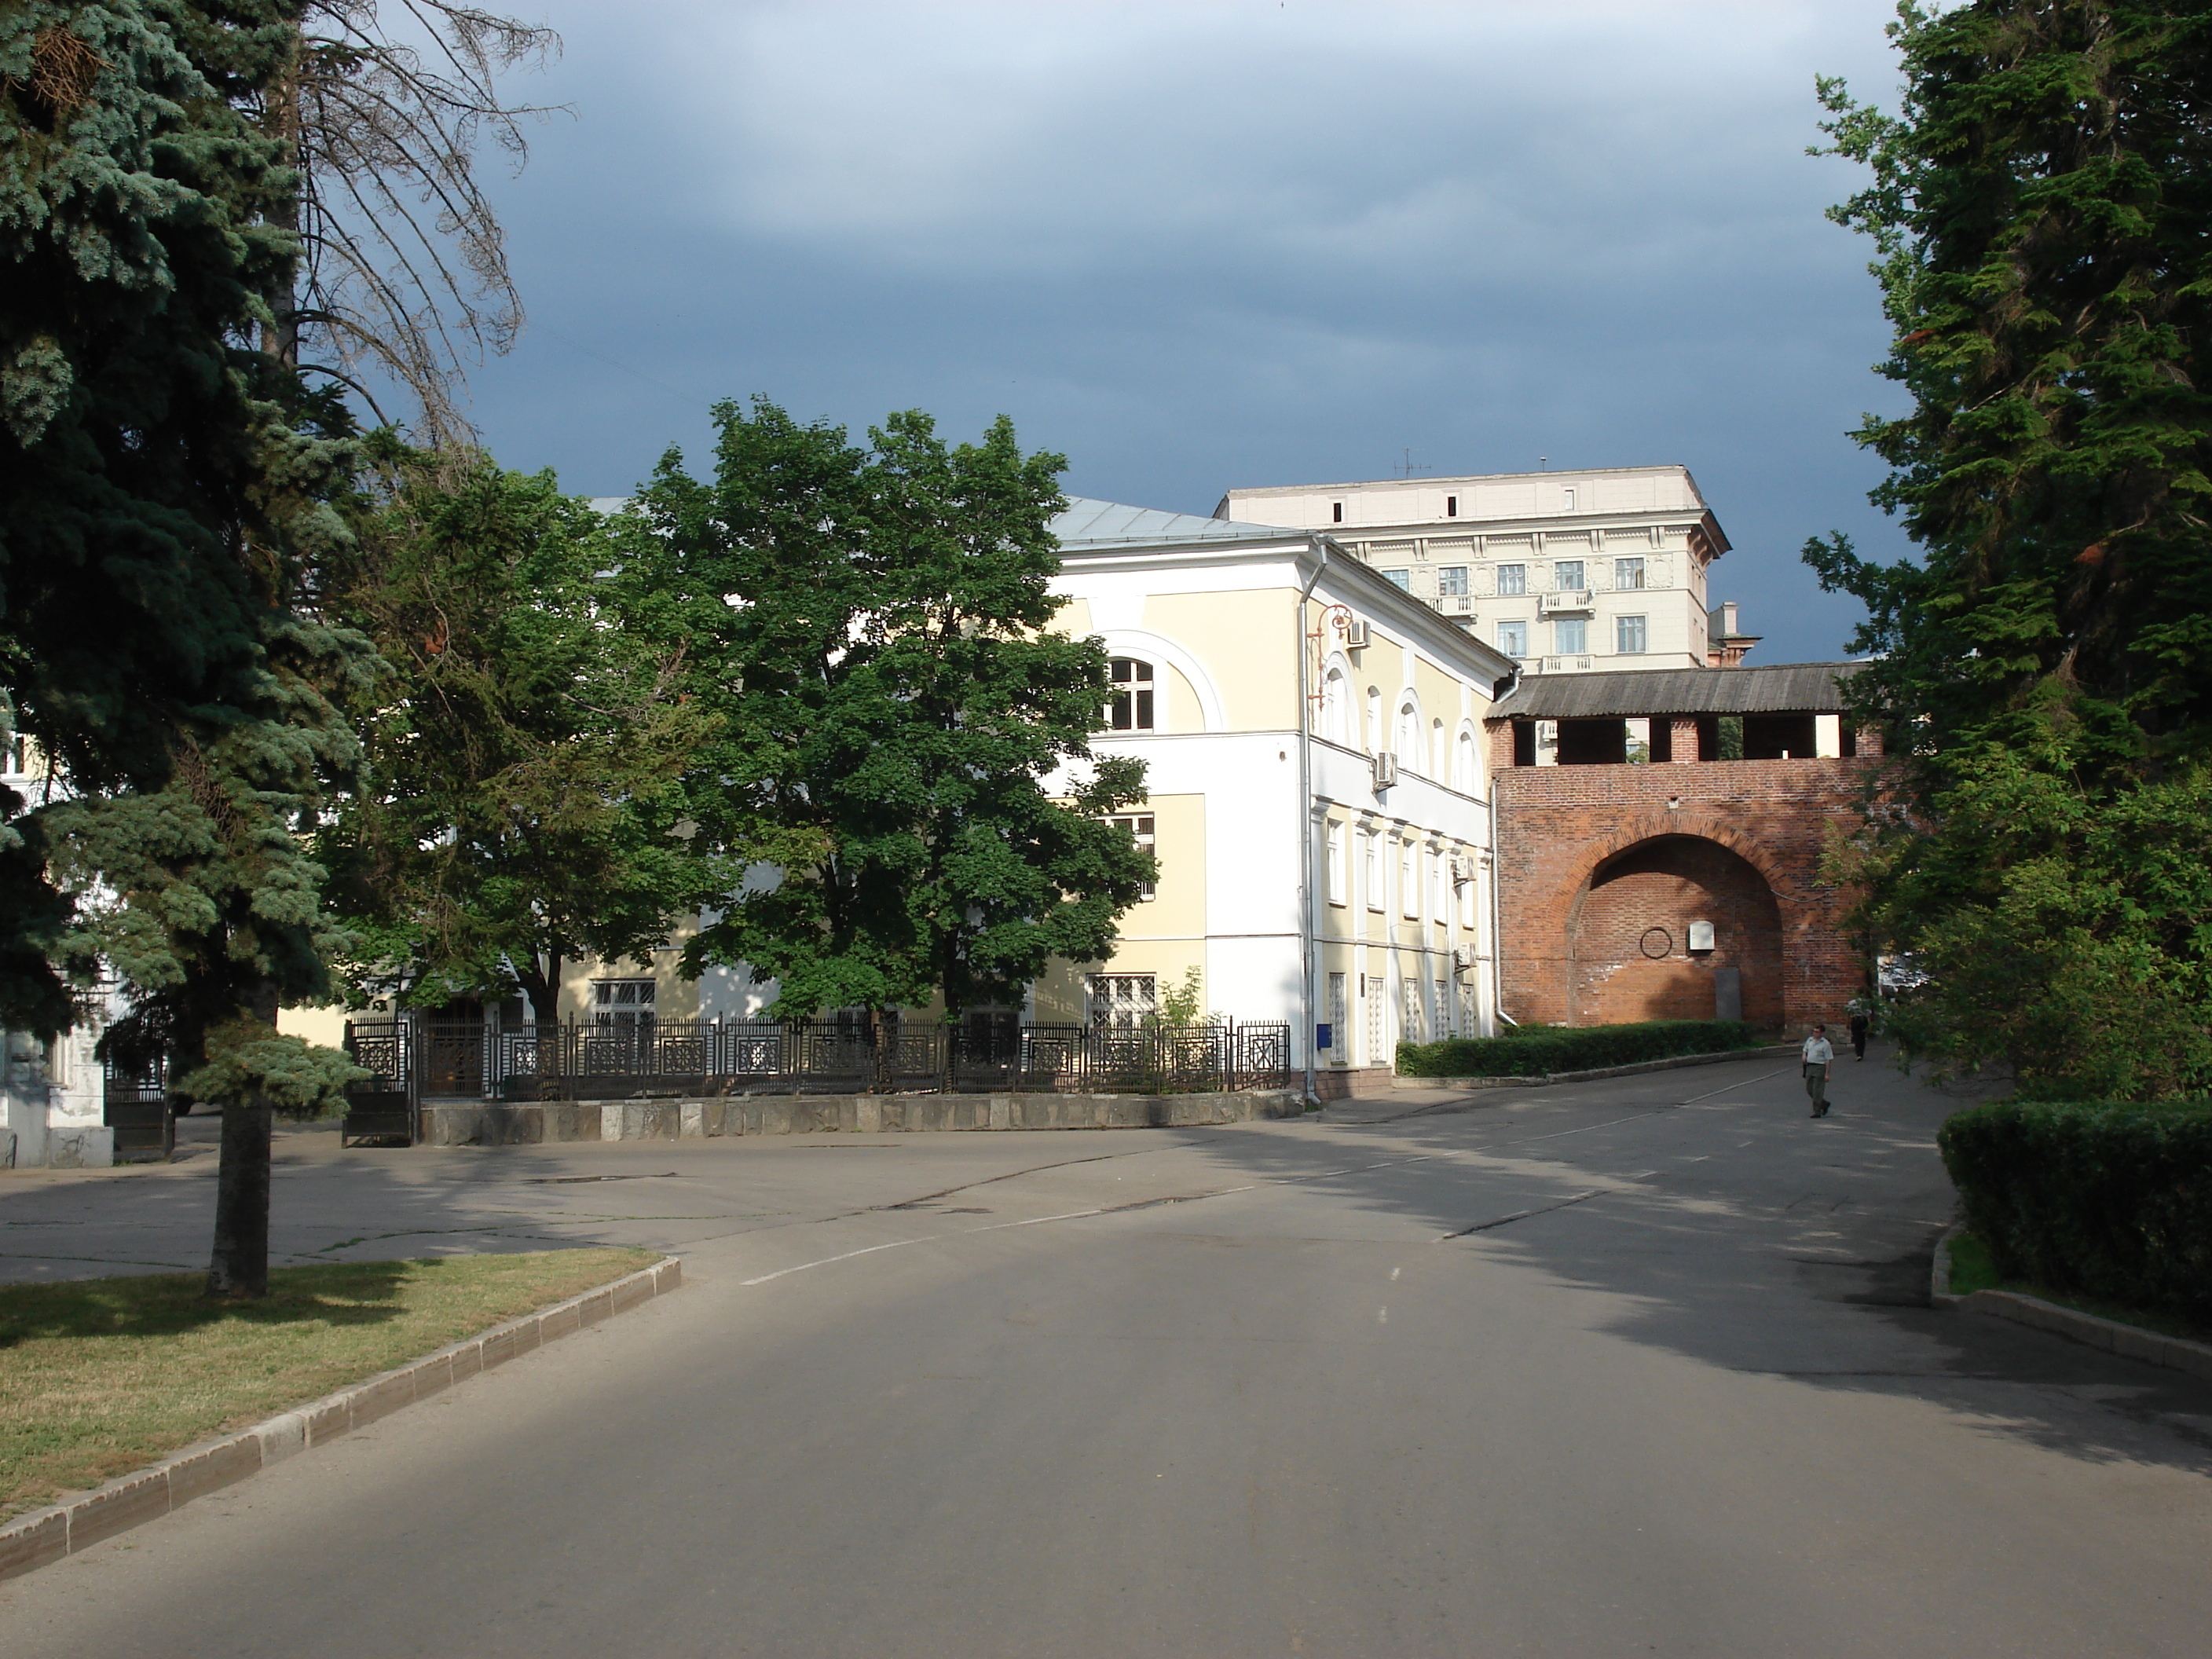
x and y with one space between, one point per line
1859 1024
1819 1061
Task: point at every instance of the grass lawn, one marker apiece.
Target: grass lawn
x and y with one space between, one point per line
98 1376
1973 1268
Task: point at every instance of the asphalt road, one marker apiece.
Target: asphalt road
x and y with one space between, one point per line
1643 1367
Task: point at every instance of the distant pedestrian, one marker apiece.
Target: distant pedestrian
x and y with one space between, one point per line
1818 1061
1859 1033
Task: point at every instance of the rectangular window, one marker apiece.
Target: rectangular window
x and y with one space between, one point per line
1442 1006
1628 574
1339 1034
18 753
1451 579
1336 512
1570 636
1569 573
1513 639
1398 579
1371 859
1122 1002
1336 871
1411 1028
1131 709
1451 506
1437 871
1512 580
1628 633
622 1001
1409 881
1567 500
1140 826
1465 887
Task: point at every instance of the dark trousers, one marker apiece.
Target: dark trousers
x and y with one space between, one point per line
1816 1088
1858 1042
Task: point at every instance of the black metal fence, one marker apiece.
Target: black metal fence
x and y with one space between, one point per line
135 1106
418 1060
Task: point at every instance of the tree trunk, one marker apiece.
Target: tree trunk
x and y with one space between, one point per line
240 1270
542 988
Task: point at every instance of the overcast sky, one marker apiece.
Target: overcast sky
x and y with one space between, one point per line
1218 243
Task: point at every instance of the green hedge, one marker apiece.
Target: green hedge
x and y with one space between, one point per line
1533 1051
2107 1201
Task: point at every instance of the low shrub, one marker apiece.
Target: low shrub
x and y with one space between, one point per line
1533 1051
2107 1201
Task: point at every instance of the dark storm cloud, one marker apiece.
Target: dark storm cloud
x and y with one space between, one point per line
1200 245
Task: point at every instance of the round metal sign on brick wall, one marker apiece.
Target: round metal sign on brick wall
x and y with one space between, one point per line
1657 942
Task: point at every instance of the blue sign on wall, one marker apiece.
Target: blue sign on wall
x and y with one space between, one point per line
1324 1036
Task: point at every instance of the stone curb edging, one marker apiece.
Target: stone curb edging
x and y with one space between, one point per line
1765 1051
46 1536
2176 1354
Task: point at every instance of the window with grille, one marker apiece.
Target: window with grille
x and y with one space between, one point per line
1339 1034
1629 636
1140 826
1131 707
1412 1027
1122 1002
1628 574
622 1001
1512 580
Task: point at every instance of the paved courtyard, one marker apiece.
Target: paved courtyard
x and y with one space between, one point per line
1632 1367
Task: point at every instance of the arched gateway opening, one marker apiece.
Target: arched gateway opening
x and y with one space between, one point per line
1630 955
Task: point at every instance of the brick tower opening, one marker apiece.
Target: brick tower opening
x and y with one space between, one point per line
1630 935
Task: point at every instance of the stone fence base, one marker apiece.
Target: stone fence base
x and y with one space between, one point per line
520 1123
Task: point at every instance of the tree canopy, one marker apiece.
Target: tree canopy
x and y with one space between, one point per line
2041 206
526 797
904 739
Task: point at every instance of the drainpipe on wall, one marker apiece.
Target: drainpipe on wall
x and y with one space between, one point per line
1496 920
1319 544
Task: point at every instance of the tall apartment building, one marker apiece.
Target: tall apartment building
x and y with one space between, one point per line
1561 571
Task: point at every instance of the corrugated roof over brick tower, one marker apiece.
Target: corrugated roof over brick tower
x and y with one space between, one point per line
1660 838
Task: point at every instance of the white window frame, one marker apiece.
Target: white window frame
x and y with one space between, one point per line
625 999
1567 584
1452 581
1628 575
1337 894
1409 881
1512 580
1142 828
1513 638
1371 856
1137 695
1120 1002
1641 628
1574 628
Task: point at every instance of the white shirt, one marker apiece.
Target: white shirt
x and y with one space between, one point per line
1817 1051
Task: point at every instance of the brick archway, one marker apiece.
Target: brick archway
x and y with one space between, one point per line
1628 934
1559 826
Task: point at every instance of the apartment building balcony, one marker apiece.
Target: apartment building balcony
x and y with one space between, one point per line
1565 664
1569 601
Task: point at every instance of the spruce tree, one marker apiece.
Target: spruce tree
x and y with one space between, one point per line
2041 206
874 626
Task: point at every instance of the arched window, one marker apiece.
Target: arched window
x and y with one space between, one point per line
1439 767
1463 763
1409 739
1335 710
1378 739
1130 708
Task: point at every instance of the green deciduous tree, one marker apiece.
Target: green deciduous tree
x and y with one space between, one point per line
2041 206
524 799
907 741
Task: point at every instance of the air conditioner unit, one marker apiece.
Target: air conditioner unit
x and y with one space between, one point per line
1386 770
1463 958
1462 872
1355 636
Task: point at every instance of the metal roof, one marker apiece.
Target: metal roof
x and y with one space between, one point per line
1793 688
1089 523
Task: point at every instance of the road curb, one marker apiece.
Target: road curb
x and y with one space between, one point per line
1765 1051
46 1536
2176 1354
